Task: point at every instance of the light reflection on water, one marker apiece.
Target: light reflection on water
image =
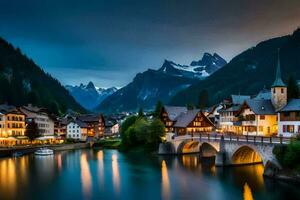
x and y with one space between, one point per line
165 181
115 173
108 174
247 192
100 168
86 178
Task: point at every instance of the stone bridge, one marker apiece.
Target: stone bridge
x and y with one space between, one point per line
227 149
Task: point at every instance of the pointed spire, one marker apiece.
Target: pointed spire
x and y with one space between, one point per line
278 81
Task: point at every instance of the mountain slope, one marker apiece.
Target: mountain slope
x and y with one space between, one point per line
162 84
144 91
22 82
88 95
248 72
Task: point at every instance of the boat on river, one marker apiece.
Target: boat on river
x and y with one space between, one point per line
44 152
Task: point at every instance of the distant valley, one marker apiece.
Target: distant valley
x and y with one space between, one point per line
89 96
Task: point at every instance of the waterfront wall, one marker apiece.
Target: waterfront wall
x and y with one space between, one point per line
7 152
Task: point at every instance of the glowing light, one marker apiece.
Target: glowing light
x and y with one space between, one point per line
246 155
101 167
190 162
86 179
59 162
247 192
8 176
115 171
165 181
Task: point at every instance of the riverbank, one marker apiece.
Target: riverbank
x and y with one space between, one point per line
108 144
9 151
287 175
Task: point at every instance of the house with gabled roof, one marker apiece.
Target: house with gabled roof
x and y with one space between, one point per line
96 121
258 117
181 121
169 114
193 122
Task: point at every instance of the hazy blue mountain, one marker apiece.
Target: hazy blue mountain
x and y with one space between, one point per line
162 84
88 95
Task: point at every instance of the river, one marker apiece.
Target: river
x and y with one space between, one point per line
108 174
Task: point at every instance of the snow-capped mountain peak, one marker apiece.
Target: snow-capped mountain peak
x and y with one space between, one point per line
197 69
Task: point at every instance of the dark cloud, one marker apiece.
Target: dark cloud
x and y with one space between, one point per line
109 41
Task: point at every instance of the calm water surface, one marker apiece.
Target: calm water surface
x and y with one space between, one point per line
108 174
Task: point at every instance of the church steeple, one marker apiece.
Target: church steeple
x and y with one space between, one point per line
279 89
278 81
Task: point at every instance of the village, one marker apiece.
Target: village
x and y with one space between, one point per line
269 114
14 121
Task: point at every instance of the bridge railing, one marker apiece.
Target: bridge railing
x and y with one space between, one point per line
242 138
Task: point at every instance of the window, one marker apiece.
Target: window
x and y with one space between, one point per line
274 90
261 128
262 117
286 114
288 128
297 114
282 90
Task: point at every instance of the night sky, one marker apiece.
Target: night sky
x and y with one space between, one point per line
108 42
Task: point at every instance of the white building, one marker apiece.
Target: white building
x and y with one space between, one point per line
228 119
289 119
77 130
41 118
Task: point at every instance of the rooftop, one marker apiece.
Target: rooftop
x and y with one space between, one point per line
278 81
261 106
175 111
184 119
292 105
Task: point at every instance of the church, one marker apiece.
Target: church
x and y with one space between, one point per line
276 116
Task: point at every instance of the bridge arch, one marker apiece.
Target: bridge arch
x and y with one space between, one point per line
188 146
246 154
208 150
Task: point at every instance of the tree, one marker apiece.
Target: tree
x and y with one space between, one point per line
292 88
203 99
141 130
156 132
127 123
32 130
141 113
158 108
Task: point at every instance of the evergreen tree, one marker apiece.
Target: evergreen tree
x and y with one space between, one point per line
158 108
292 88
32 130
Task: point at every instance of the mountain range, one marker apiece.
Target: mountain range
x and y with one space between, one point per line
23 82
248 72
153 85
88 95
